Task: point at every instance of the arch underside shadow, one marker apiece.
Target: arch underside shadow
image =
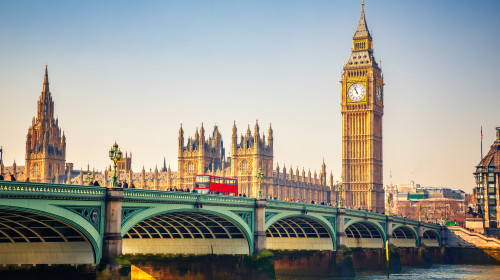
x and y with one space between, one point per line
298 233
185 232
431 239
403 236
364 235
29 238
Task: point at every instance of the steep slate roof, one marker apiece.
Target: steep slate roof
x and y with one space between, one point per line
362 30
493 156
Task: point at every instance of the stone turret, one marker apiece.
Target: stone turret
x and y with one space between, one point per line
169 177
322 175
45 142
105 179
14 169
81 176
143 178
200 156
156 180
181 139
251 153
68 177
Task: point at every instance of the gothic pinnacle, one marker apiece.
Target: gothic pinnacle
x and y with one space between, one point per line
46 80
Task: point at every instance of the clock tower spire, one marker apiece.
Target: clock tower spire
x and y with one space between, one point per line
362 109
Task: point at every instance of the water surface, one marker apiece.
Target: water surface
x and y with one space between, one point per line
483 272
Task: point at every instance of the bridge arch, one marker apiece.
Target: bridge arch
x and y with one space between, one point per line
294 231
431 238
47 234
187 231
404 236
362 233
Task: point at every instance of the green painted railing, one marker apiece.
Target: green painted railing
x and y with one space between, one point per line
364 214
51 191
280 204
15 189
164 196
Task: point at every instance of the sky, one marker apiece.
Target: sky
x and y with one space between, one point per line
133 71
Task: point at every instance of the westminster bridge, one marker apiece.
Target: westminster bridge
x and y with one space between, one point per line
67 224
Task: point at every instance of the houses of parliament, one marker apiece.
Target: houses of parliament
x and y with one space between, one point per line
362 99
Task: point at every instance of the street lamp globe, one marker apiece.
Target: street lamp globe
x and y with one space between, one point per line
115 155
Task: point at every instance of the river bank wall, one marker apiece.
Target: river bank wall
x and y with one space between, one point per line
264 266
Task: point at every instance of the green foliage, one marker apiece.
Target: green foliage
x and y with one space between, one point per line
393 247
264 255
125 265
344 249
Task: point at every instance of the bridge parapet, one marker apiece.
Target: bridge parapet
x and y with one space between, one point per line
279 204
50 191
364 214
159 196
405 221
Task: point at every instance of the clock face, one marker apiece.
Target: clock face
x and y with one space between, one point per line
379 94
356 92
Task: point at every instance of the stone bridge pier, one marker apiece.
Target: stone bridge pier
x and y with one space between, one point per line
260 224
112 239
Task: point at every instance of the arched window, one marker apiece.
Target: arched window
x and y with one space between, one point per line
35 170
245 166
190 167
50 170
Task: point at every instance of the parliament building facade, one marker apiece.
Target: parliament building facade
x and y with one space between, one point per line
362 108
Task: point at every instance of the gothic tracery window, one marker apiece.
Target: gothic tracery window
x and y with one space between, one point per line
190 167
35 170
245 166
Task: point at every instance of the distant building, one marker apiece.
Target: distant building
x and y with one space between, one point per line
125 163
431 204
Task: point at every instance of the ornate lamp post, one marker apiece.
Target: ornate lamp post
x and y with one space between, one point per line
260 175
339 202
115 155
388 205
87 178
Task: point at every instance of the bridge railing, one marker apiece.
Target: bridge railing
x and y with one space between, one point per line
14 189
365 214
280 204
153 195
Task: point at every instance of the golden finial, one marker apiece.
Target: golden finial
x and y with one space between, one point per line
45 63
362 2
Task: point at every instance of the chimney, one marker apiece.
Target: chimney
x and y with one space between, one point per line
498 133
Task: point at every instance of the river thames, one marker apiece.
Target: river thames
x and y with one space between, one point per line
436 272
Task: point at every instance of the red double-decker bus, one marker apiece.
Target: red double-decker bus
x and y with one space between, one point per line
214 184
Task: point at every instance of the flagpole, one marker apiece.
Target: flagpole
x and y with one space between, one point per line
481 142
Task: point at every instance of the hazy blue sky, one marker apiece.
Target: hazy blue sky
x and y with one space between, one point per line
133 71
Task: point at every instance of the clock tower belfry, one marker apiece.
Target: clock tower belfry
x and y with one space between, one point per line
362 110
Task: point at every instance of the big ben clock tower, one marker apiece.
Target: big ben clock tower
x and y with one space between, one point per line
362 111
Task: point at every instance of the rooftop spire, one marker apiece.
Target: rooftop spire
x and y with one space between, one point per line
362 30
46 80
